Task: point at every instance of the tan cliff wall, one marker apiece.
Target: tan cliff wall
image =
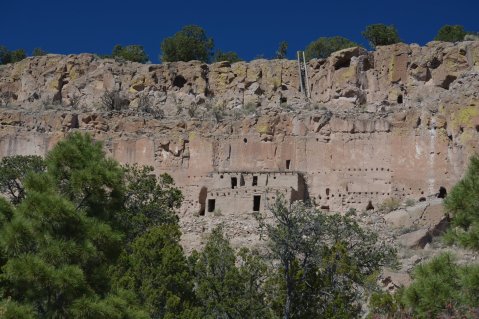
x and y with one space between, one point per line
348 78
355 143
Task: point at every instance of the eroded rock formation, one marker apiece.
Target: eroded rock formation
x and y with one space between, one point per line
398 122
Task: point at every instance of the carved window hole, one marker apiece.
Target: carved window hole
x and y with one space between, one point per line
211 205
256 203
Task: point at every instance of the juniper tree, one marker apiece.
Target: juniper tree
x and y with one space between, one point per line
190 43
324 261
381 34
323 47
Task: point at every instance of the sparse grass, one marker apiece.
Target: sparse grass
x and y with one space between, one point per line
249 108
389 205
409 202
407 230
351 212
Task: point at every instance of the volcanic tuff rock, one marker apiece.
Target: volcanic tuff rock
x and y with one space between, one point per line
398 122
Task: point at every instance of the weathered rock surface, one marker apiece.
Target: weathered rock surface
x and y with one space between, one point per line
398 122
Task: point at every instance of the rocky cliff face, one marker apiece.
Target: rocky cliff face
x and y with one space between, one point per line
393 74
398 122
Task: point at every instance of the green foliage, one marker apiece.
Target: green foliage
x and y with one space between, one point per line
86 177
134 53
282 50
80 238
441 286
323 47
383 303
12 310
224 289
229 56
451 33
13 171
149 202
157 270
18 55
60 243
410 202
381 34
7 56
39 52
463 204
190 43
324 261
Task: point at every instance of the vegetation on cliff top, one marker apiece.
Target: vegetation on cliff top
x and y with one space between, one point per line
193 43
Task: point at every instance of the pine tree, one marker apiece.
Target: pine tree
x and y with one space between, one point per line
463 204
59 242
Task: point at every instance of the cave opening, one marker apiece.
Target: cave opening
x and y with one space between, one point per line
442 192
370 206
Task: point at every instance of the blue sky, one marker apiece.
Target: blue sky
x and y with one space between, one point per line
250 28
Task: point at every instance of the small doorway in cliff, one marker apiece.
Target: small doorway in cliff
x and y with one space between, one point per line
211 205
256 203
202 200
255 181
241 180
442 192
234 182
288 164
370 206
400 99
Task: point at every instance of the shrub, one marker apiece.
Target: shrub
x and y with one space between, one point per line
410 202
282 50
389 205
190 43
145 106
323 47
6 98
38 52
7 56
451 33
134 53
113 101
229 56
381 34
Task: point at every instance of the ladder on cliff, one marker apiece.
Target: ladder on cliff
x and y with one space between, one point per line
303 74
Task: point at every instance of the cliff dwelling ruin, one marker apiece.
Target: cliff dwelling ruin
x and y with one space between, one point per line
399 122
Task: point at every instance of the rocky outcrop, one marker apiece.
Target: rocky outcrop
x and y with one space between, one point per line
353 77
400 122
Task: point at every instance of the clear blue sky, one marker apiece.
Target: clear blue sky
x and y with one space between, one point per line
248 27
